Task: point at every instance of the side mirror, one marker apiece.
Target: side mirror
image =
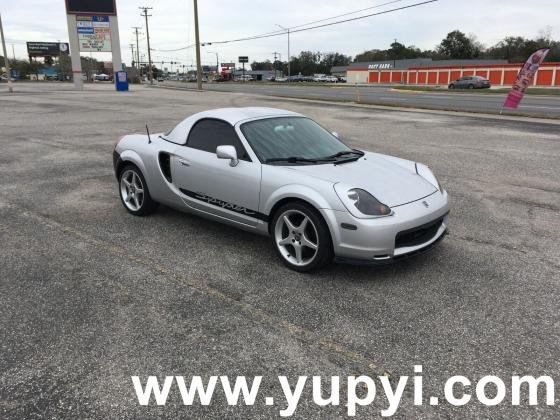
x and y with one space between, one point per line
334 133
227 152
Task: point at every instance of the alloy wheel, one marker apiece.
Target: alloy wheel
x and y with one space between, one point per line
296 237
132 190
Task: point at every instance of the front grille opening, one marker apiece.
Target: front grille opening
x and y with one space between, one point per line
419 235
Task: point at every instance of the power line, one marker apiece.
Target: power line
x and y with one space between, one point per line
326 24
304 27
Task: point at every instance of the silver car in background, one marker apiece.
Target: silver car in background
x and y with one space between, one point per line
278 173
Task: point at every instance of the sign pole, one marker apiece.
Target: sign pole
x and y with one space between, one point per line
115 44
6 60
75 52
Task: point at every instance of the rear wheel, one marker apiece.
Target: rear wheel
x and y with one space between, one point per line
301 237
134 192
452 86
471 86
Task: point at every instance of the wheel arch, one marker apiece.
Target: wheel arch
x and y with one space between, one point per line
130 157
305 196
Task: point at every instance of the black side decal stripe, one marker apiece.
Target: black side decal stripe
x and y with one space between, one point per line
225 205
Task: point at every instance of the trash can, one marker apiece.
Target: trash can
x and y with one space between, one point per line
121 81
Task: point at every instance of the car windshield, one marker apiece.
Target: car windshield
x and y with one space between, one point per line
293 140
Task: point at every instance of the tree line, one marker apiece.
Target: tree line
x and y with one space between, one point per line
456 45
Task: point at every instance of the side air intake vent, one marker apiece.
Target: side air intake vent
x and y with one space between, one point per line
165 165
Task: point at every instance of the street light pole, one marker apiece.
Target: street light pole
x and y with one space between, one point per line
217 61
197 41
6 60
276 54
288 32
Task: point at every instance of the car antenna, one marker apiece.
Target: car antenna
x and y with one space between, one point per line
148 131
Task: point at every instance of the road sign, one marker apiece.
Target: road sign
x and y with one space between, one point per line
243 59
94 33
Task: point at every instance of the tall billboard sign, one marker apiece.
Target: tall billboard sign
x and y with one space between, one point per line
92 27
91 7
46 49
94 33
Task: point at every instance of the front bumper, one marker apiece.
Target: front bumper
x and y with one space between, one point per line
413 228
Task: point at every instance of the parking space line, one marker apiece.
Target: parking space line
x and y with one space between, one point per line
296 331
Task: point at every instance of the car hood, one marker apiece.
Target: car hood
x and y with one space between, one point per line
392 181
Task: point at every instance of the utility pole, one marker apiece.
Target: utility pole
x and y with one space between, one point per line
133 55
137 47
288 32
6 61
197 40
13 54
150 70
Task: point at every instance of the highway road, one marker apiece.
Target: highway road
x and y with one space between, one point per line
532 105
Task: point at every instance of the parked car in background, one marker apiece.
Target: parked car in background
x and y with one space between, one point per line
470 82
4 78
244 78
102 77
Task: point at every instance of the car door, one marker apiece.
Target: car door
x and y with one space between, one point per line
212 185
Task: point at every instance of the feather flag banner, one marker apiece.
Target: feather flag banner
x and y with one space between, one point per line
525 78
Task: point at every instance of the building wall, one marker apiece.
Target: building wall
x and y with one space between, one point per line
499 74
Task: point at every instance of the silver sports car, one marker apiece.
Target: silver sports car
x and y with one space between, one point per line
278 173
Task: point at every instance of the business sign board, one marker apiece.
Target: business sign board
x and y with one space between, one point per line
380 66
47 49
84 7
227 65
243 59
94 33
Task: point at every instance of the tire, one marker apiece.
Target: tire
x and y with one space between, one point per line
471 86
451 86
293 242
134 193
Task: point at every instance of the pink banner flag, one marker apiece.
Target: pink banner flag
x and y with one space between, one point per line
525 78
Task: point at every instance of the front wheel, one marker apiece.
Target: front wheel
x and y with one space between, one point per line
301 237
471 86
451 86
134 193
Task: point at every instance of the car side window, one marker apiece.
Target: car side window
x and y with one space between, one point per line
207 134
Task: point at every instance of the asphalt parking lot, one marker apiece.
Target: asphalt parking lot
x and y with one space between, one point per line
90 296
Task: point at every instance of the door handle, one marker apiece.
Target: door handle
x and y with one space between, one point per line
184 162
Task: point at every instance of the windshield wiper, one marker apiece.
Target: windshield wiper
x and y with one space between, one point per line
345 153
296 159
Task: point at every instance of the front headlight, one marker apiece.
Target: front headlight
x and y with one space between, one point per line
362 204
428 175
